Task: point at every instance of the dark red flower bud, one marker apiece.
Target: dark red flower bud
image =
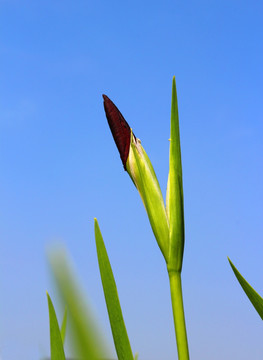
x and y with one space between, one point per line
120 129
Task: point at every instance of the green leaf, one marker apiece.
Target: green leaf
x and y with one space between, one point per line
56 343
120 337
63 326
85 336
253 296
174 195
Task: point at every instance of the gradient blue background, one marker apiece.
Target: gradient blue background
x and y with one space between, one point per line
60 167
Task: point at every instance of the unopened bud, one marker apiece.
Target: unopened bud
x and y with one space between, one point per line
138 165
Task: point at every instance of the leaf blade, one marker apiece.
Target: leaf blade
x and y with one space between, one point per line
120 336
85 336
174 195
64 326
253 296
56 343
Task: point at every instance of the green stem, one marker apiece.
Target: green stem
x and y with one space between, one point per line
178 314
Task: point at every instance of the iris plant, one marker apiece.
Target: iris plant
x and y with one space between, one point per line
167 222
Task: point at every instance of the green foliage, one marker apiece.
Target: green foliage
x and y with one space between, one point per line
87 342
56 342
120 337
174 195
64 325
168 227
253 296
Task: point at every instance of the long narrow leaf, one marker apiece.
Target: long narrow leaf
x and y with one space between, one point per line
120 337
56 343
174 196
85 336
64 325
253 296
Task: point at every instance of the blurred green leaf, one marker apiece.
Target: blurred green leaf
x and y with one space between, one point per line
56 343
64 325
120 337
88 343
174 195
253 296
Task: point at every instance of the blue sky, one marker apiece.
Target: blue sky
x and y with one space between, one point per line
60 167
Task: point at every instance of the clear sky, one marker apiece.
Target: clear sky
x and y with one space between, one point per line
60 167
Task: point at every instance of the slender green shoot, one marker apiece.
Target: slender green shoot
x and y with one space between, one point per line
175 212
174 195
119 333
56 343
178 314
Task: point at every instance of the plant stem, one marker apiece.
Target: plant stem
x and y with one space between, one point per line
178 314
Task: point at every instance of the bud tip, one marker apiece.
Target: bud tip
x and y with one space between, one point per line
119 127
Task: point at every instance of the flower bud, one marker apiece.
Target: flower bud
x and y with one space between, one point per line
120 129
140 169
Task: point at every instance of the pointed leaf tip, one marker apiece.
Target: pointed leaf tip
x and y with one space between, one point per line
254 297
174 195
119 332
56 343
119 127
